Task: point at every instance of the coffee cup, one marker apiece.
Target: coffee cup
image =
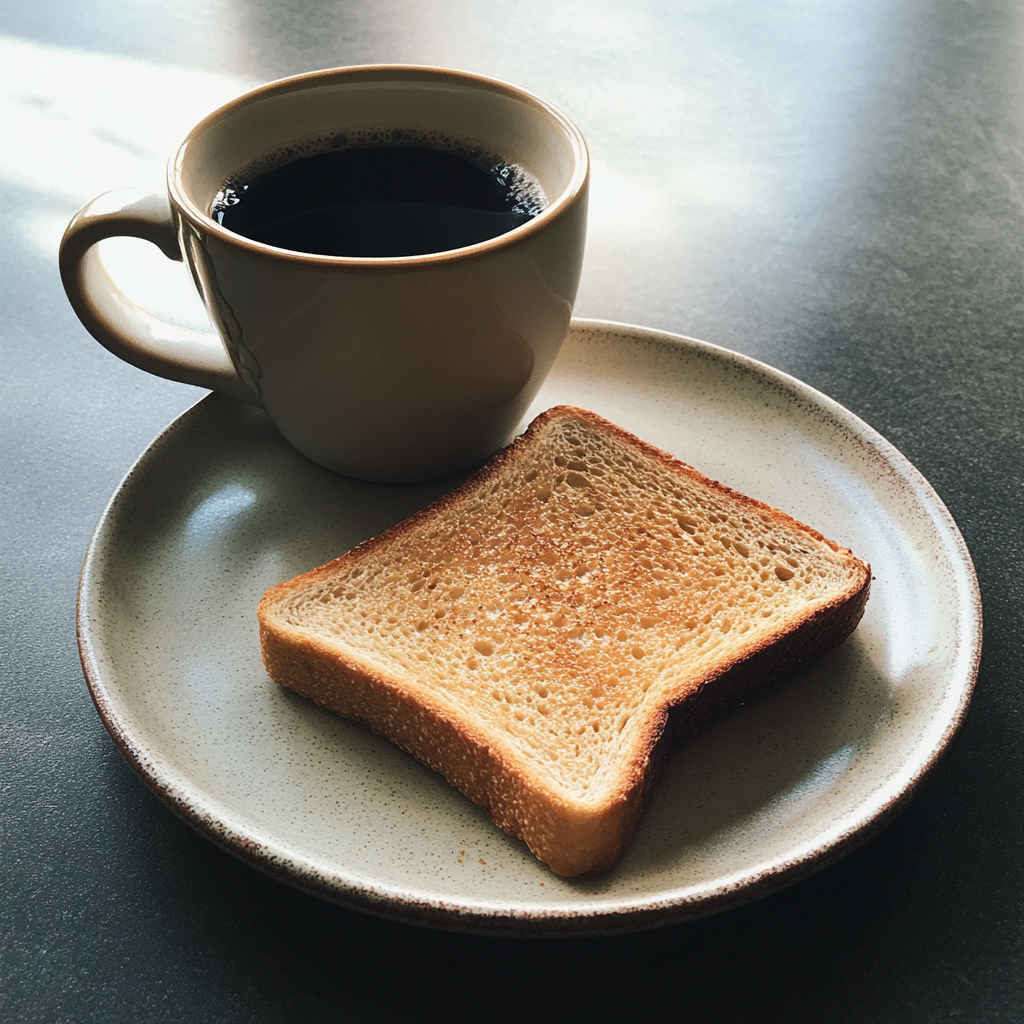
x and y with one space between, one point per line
389 368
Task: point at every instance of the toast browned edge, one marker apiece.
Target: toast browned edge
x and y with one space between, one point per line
571 837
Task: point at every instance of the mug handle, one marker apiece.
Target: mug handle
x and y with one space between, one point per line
117 323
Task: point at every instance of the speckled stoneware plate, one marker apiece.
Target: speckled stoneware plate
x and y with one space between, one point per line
219 508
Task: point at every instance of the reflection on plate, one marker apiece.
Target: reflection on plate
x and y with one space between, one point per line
219 508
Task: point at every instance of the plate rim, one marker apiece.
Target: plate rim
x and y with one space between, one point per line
609 916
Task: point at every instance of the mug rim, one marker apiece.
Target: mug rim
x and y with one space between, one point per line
556 208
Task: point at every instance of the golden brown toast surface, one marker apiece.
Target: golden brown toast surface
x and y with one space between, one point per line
528 634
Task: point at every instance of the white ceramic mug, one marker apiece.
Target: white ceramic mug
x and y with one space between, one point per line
382 368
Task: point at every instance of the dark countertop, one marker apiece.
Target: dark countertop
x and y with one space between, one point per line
837 189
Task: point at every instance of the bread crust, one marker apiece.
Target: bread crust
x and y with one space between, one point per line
572 835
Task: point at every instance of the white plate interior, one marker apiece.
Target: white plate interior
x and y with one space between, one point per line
220 508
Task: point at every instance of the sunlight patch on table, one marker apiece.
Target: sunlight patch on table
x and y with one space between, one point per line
77 124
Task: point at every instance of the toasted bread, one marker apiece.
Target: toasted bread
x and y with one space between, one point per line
540 634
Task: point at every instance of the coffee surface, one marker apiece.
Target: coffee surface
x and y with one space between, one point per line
378 201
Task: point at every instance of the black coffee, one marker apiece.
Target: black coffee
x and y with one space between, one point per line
378 201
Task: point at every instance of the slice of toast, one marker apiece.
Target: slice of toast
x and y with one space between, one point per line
540 634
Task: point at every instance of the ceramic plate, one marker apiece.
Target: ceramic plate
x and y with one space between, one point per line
219 508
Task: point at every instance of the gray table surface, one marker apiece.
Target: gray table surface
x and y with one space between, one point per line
833 186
